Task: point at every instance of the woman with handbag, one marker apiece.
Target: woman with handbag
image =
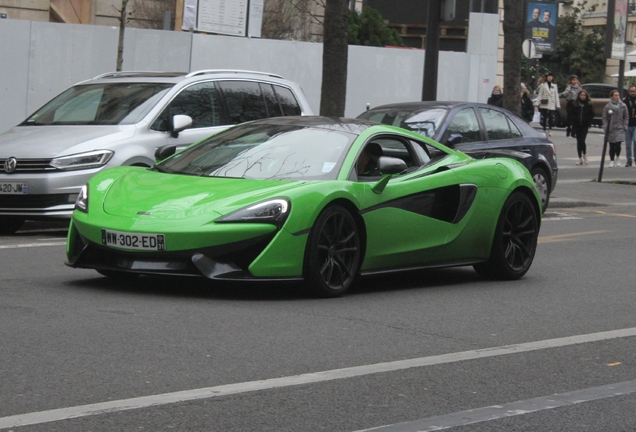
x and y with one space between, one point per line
548 102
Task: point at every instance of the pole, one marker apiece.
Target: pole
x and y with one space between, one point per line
600 171
431 55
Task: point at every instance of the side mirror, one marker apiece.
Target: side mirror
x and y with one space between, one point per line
164 152
391 165
179 123
454 139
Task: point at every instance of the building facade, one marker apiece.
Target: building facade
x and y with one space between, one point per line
142 13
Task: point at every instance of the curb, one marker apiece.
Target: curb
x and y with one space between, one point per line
565 203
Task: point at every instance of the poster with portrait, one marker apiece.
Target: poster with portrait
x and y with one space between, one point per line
541 23
620 25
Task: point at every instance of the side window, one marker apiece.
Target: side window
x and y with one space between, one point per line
271 104
200 101
366 167
465 124
287 101
498 126
244 101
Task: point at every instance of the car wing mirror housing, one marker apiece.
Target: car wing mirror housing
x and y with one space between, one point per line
179 123
454 139
391 165
164 152
387 166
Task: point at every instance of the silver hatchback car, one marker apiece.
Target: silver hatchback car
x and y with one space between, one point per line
122 118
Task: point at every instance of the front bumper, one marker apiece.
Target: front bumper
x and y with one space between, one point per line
230 261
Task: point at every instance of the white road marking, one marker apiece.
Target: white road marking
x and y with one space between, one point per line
560 218
496 412
309 378
28 245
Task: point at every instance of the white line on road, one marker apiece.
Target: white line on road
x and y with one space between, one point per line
28 245
309 378
496 412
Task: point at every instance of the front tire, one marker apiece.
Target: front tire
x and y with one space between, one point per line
542 185
332 257
515 240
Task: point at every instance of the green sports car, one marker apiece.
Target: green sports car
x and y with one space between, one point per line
318 199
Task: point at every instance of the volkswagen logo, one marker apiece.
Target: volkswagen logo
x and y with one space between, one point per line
10 164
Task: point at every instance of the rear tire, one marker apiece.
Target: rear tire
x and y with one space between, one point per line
332 257
515 240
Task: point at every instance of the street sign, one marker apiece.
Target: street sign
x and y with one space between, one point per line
529 49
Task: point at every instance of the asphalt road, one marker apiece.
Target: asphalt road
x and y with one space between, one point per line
552 351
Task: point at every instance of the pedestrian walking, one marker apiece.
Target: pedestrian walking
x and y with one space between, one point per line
571 92
615 121
548 102
582 114
527 108
630 133
496 97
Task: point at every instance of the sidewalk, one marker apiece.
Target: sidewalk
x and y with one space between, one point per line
618 186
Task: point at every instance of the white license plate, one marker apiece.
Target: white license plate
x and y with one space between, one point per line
14 188
135 241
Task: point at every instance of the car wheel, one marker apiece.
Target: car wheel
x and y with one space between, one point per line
515 240
10 224
332 258
542 184
118 276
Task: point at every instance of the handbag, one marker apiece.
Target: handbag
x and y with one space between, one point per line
544 101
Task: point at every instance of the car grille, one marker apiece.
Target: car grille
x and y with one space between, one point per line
35 201
29 166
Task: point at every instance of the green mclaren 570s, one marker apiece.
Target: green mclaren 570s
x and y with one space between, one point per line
322 200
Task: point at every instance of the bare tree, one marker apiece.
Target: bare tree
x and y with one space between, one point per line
293 19
512 29
123 20
335 53
150 13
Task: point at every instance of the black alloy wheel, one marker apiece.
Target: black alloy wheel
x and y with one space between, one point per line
332 258
515 240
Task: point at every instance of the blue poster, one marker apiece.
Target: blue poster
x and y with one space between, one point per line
541 23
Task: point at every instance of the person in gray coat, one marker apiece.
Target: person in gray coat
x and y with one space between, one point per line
615 121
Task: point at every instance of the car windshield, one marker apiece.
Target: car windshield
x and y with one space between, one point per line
266 152
100 104
422 121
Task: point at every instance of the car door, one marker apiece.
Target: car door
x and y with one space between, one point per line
501 132
201 101
465 123
410 219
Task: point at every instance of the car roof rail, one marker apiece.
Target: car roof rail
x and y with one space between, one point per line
212 71
120 74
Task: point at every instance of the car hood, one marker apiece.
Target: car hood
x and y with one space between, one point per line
54 141
151 194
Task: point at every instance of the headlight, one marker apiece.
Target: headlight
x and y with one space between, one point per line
93 159
82 200
272 211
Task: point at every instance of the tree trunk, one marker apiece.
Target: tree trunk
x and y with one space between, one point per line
512 29
333 93
122 28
